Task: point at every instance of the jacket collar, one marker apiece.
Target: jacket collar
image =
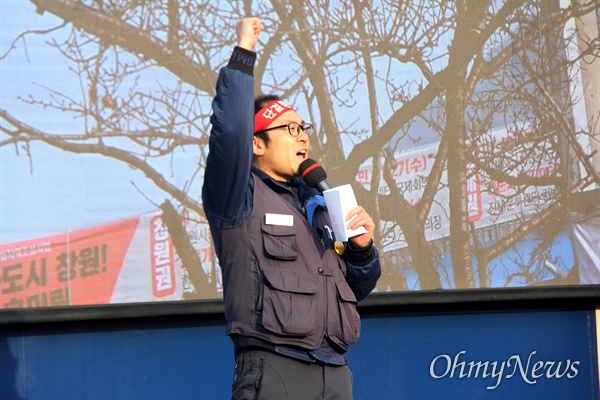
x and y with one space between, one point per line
304 191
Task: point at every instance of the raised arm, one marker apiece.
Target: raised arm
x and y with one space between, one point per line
226 190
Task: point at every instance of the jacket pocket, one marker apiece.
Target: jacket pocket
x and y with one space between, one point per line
280 242
349 317
289 302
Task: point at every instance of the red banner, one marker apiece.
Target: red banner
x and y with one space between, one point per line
76 268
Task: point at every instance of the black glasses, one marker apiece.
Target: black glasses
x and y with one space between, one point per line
293 128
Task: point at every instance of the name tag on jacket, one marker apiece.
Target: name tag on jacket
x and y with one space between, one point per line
279 219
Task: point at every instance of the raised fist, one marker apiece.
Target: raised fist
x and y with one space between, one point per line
248 30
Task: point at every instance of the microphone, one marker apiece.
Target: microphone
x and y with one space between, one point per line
340 200
314 175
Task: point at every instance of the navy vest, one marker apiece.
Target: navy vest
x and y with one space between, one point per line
285 284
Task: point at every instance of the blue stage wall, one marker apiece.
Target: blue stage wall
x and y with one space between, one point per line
511 355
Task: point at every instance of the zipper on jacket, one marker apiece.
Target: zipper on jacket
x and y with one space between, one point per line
326 297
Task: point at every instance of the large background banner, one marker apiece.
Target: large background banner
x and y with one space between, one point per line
468 130
130 261
99 265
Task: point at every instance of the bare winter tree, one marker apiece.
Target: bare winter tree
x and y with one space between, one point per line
378 77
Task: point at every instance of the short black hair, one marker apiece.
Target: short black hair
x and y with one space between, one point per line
259 102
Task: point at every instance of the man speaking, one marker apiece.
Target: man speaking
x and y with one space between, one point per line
290 297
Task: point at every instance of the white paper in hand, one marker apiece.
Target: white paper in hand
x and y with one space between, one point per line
340 200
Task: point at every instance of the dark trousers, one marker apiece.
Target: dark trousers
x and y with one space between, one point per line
262 374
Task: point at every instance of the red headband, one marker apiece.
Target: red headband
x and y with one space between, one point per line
270 113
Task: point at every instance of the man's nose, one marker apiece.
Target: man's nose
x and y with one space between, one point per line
303 136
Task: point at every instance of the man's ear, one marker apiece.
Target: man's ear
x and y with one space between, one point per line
258 145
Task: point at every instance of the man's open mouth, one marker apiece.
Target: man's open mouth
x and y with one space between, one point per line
302 154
